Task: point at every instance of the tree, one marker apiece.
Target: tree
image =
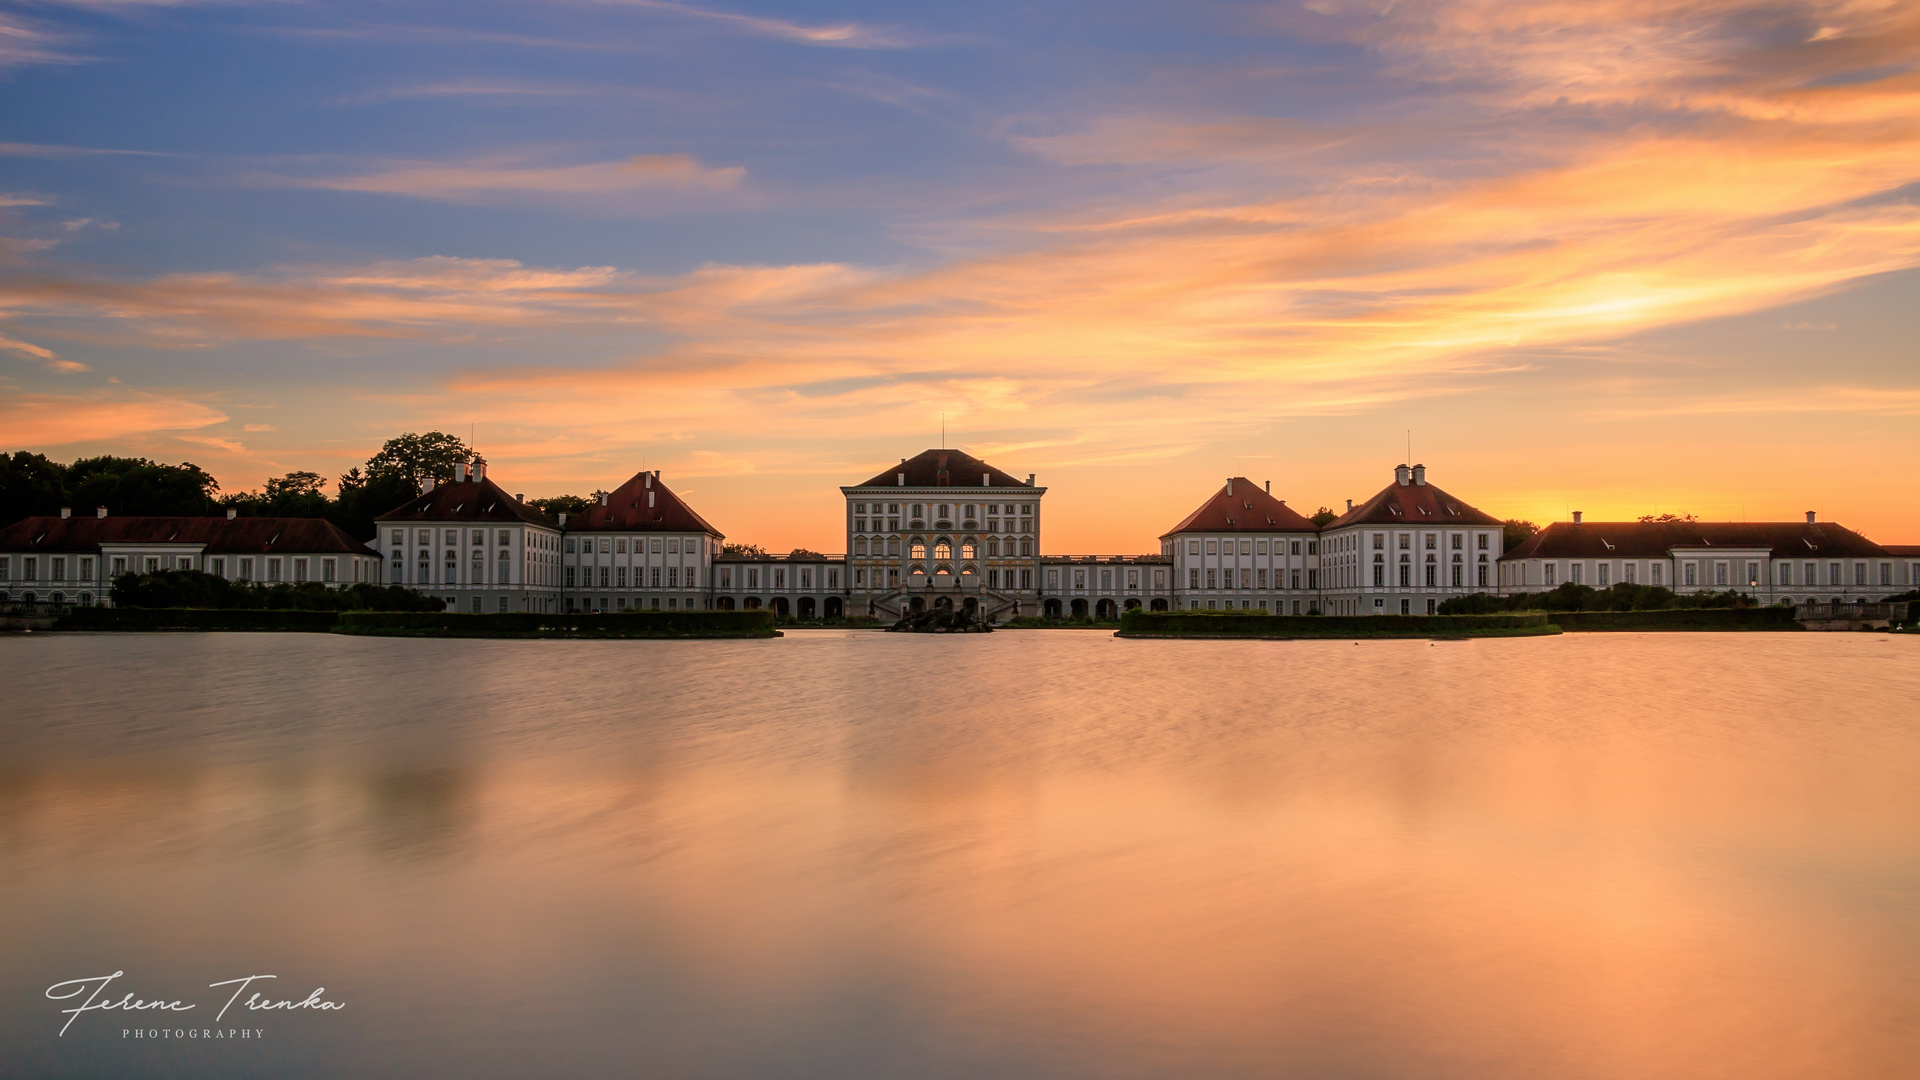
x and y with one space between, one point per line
1323 516
560 504
754 550
417 457
31 484
804 553
139 486
363 498
1649 519
1514 532
296 485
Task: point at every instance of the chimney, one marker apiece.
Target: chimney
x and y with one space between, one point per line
1576 517
66 511
1420 475
1349 506
649 500
901 477
986 479
460 472
1229 486
99 511
903 461
603 499
426 485
479 469
1029 479
1809 517
563 519
1269 487
519 497
1401 474
231 513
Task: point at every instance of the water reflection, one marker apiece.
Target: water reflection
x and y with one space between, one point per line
1039 854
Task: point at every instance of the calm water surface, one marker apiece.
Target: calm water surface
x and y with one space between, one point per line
1026 854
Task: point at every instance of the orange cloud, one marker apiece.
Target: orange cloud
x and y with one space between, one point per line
471 181
49 420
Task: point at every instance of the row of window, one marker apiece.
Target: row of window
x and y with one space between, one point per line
618 545
942 577
943 548
1720 574
1455 578
83 567
1251 579
30 599
615 577
477 537
777 577
945 510
1130 581
1254 547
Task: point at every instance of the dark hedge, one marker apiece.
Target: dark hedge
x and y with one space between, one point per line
1247 624
561 625
1767 618
105 618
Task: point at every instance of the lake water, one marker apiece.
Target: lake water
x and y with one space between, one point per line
1024 854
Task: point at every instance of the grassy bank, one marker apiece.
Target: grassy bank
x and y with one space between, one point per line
635 624
1191 624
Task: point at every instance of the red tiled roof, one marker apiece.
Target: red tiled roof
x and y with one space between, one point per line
1242 506
468 500
1413 504
944 468
1904 551
216 535
1654 539
637 506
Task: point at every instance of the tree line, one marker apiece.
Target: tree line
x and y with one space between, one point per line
33 484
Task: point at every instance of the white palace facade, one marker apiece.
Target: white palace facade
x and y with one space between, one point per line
944 529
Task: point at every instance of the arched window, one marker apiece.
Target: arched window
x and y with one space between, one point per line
919 549
942 549
967 548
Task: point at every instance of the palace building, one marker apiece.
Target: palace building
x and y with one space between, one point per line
1408 549
69 560
1772 561
470 542
946 530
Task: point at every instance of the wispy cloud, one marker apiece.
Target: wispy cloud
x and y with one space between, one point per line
54 150
28 41
506 88
478 180
848 35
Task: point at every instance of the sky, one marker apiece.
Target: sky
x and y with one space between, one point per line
1618 256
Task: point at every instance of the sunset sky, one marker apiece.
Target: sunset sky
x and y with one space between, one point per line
1621 256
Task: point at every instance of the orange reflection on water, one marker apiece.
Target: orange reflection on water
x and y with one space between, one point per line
1631 884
